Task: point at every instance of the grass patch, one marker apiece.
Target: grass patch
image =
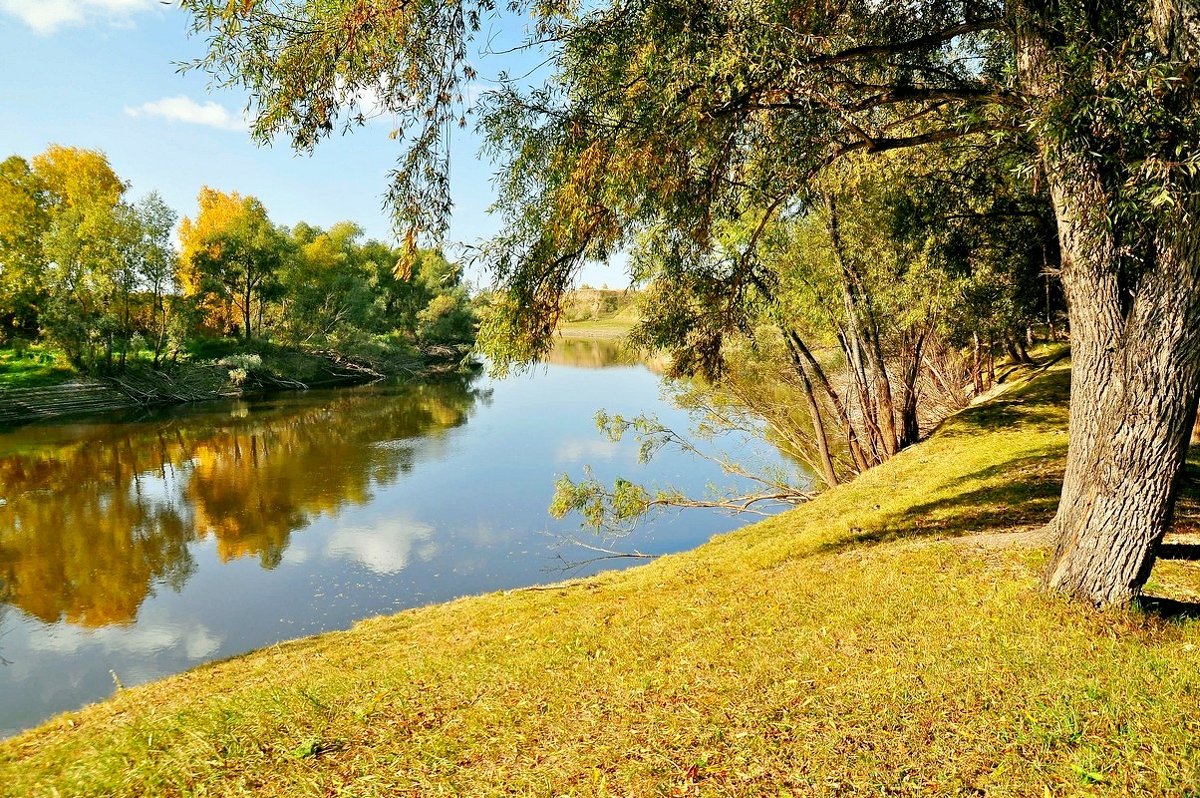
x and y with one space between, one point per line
876 641
612 325
33 367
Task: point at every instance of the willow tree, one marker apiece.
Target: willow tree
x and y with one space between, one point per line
672 115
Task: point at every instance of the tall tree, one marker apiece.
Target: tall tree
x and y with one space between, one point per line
148 266
231 252
23 222
324 284
680 114
81 251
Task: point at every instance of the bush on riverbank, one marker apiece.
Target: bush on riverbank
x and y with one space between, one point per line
884 639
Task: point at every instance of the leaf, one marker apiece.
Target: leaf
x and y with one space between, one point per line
1088 776
308 748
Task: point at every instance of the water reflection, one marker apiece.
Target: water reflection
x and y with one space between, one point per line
600 353
97 516
590 353
143 546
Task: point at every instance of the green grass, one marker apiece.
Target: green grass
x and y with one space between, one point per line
32 367
615 325
881 640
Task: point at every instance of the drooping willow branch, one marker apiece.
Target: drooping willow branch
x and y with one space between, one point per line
615 511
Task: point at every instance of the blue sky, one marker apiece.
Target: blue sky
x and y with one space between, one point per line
102 74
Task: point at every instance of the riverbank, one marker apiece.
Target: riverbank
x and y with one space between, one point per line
886 638
610 326
267 369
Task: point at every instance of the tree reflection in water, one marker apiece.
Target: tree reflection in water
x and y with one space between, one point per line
595 353
97 515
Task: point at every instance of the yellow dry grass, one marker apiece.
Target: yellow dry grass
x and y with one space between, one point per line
860 645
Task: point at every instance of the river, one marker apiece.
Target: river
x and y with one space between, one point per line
133 547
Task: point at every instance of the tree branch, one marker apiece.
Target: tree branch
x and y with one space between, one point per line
920 43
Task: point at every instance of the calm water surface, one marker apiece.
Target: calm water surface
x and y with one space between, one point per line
139 547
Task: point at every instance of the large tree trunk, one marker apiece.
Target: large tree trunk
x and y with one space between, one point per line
1135 355
1133 402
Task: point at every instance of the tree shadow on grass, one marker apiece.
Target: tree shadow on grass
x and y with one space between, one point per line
1013 495
1189 552
1169 609
1187 507
1010 496
1016 495
1038 404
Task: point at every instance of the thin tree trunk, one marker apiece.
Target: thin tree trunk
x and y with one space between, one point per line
991 361
1010 347
865 350
246 314
856 452
910 430
1023 352
858 376
884 398
814 411
976 365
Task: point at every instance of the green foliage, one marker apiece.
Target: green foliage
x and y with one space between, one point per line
24 219
603 510
615 511
236 253
447 319
99 277
407 60
340 291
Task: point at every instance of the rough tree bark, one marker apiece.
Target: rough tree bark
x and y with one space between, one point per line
1135 360
1133 399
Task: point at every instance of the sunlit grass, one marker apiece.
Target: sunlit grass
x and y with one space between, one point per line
882 640
32 367
614 325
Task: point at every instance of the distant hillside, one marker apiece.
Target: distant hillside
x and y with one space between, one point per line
599 313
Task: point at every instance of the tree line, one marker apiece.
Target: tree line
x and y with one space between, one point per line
99 276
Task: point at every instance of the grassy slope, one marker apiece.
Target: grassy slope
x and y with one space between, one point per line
839 648
615 325
35 368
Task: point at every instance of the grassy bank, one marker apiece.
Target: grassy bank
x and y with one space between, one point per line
32 367
37 386
606 325
886 639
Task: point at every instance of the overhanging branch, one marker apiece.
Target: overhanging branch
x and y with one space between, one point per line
925 42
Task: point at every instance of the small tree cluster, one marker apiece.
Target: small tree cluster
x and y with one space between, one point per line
98 276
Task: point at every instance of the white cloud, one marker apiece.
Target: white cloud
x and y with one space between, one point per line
186 110
197 641
47 16
386 548
578 450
